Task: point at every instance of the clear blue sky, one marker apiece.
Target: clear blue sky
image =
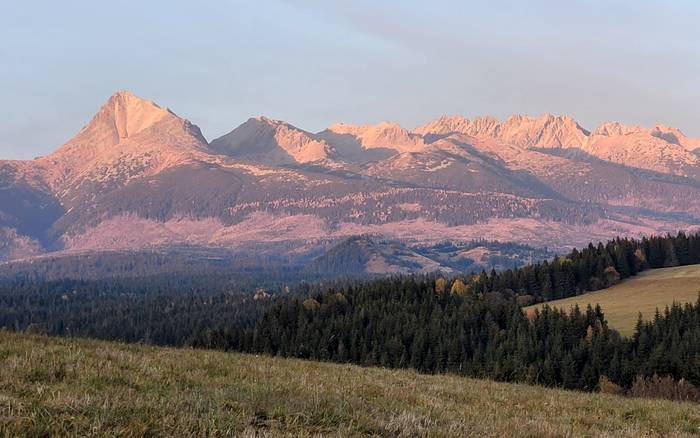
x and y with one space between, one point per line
313 63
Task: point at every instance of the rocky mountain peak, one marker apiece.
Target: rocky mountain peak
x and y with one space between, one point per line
126 129
272 142
611 129
124 115
445 125
675 136
386 135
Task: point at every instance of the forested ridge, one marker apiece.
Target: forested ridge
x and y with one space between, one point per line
470 325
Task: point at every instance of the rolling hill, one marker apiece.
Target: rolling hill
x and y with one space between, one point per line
62 387
644 293
372 255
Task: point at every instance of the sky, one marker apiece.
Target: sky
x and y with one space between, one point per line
316 62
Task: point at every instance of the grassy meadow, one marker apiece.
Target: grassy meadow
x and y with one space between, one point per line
643 293
73 387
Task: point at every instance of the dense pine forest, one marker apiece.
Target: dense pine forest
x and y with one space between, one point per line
160 309
406 323
469 325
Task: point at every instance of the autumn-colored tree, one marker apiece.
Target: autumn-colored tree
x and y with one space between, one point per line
311 304
440 285
458 288
611 276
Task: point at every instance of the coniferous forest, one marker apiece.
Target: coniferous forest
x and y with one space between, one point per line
405 323
470 325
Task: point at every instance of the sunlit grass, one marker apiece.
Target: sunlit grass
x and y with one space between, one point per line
60 387
643 293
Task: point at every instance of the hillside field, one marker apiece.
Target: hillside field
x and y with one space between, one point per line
69 387
643 293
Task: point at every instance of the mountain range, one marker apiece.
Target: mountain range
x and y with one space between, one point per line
138 176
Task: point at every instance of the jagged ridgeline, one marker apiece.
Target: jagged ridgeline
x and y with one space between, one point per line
137 176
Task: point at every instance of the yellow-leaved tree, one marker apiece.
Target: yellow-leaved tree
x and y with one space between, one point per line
458 288
440 285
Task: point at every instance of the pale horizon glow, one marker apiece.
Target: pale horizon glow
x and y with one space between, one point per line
313 63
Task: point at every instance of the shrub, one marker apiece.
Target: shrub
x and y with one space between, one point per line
595 283
606 386
525 300
36 329
612 277
311 304
664 387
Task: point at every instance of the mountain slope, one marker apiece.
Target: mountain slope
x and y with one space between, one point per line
26 205
579 177
14 245
361 255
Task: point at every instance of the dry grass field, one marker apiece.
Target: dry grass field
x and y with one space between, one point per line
643 293
69 387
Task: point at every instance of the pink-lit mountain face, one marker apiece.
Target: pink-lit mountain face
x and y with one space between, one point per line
139 176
